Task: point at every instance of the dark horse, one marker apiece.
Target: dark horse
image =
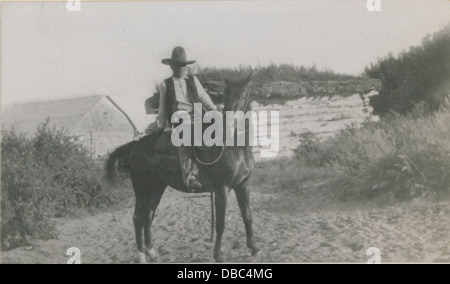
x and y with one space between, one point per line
148 172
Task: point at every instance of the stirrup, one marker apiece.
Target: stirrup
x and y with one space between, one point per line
194 185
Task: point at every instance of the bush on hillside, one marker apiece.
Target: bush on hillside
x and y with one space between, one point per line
421 74
271 73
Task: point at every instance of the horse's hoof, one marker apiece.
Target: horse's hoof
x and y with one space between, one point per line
255 251
140 258
218 257
153 255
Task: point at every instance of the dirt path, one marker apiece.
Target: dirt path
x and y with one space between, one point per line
290 227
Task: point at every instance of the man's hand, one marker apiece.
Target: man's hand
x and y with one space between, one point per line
220 107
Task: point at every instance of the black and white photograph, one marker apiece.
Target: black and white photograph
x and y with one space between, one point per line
239 132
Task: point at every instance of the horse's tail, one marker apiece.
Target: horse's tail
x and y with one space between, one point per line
121 154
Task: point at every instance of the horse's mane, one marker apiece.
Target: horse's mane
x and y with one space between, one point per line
248 107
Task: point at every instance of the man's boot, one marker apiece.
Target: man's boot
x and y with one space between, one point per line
188 170
193 184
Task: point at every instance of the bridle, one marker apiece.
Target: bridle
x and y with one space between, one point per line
223 148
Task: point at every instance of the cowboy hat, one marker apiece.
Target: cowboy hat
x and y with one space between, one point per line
178 57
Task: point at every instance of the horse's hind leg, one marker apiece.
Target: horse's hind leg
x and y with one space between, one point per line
138 220
142 196
243 198
157 190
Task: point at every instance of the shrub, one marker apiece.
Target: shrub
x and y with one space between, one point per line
44 176
26 202
420 74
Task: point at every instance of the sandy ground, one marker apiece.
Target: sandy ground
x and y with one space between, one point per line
289 227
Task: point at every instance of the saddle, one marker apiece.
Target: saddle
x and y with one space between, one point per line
167 164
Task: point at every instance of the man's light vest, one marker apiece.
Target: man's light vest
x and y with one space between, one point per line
171 100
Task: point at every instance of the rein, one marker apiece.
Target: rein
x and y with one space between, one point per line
210 163
223 146
209 150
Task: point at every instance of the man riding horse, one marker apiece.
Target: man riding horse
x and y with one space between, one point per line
231 171
179 93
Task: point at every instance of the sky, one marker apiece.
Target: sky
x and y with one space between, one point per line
115 48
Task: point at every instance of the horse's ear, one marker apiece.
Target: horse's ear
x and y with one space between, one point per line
248 78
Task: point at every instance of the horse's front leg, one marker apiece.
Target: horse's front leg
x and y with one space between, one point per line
221 206
243 198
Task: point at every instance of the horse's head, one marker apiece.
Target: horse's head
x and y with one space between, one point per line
236 96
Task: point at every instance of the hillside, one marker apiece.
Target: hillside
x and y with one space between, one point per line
308 100
321 116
